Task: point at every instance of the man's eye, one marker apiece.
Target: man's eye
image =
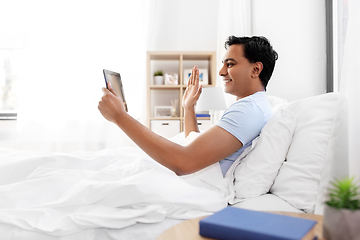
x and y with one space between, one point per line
229 64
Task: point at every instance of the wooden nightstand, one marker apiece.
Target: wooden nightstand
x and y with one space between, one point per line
189 229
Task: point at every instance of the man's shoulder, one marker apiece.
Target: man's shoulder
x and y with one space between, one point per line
252 105
251 100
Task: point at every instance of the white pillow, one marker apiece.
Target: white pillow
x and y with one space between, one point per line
256 172
299 177
276 103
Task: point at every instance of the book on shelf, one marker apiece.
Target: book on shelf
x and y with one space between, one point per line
236 223
202 114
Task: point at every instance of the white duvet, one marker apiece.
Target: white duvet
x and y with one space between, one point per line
60 194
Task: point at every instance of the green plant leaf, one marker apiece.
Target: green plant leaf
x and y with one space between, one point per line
159 73
344 194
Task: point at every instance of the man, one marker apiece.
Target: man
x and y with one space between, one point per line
247 67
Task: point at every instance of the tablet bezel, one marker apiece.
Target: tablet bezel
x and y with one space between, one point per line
117 86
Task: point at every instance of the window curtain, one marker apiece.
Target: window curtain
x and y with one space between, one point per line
347 130
234 19
67 45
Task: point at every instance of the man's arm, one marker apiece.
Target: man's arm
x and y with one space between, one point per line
210 147
191 95
190 122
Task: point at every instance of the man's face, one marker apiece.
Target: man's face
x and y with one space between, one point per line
236 71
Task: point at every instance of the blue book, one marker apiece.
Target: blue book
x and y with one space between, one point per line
202 115
235 223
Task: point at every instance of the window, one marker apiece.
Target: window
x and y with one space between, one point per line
11 55
340 15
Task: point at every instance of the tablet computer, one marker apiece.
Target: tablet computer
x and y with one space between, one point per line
115 80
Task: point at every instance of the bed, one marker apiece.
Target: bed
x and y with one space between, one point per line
121 193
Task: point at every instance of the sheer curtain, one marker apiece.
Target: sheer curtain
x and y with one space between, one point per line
234 19
68 43
347 131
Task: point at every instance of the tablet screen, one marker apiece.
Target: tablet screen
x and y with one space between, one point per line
115 80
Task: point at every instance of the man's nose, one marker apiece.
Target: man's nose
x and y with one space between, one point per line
223 71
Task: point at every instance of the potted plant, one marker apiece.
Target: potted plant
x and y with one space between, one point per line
342 211
159 77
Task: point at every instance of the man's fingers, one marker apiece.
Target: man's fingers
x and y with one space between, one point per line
199 91
111 89
196 81
104 90
192 77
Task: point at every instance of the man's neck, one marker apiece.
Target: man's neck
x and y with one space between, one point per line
251 93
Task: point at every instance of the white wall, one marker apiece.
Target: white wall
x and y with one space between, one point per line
187 25
296 29
66 45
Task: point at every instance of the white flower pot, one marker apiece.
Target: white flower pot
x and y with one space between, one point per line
158 80
341 224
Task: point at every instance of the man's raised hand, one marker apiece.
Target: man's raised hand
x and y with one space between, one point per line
193 90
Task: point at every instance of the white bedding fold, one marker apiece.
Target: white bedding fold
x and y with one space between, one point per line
59 194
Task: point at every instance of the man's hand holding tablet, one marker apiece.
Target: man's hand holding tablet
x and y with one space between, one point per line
116 83
112 105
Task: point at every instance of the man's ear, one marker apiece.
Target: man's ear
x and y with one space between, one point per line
258 67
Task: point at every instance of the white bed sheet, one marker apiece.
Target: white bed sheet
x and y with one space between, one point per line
100 195
138 231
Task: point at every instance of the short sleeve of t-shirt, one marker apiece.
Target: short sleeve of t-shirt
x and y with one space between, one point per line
244 119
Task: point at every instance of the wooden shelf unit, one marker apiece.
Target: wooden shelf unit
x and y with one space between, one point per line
174 62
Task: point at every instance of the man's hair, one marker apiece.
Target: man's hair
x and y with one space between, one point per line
257 49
